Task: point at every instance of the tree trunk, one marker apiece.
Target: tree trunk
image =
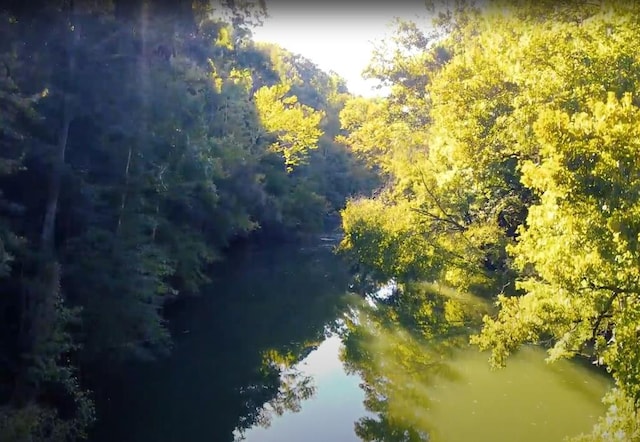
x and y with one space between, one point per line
41 290
143 78
125 190
48 225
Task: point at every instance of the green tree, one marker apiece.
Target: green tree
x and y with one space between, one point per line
296 126
521 182
134 151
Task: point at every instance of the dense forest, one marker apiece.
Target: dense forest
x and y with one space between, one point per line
140 139
510 149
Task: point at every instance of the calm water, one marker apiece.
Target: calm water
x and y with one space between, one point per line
260 356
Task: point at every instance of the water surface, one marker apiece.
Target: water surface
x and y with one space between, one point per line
260 356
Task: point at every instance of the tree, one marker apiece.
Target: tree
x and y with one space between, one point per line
133 154
296 126
524 184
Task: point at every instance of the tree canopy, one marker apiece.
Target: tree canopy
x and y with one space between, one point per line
518 180
139 140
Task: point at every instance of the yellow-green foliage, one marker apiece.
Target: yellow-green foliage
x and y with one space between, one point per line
527 174
578 251
383 238
296 126
620 423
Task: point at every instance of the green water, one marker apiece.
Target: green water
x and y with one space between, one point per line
529 400
260 355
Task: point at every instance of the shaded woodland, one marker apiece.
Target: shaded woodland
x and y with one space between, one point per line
139 140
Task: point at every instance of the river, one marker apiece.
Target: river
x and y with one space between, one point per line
276 349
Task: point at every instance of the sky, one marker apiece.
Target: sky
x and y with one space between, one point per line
336 36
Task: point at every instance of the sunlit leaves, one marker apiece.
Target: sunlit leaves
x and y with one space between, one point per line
582 237
578 251
620 423
382 238
529 167
295 126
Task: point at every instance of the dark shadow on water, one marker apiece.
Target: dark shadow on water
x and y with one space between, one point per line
265 310
237 349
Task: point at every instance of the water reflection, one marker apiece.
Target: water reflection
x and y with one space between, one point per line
288 387
265 360
392 346
423 382
265 311
331 412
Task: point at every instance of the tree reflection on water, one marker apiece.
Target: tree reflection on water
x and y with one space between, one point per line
401 345
287 384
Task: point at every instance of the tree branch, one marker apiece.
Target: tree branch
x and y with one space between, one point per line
435 217
605 312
